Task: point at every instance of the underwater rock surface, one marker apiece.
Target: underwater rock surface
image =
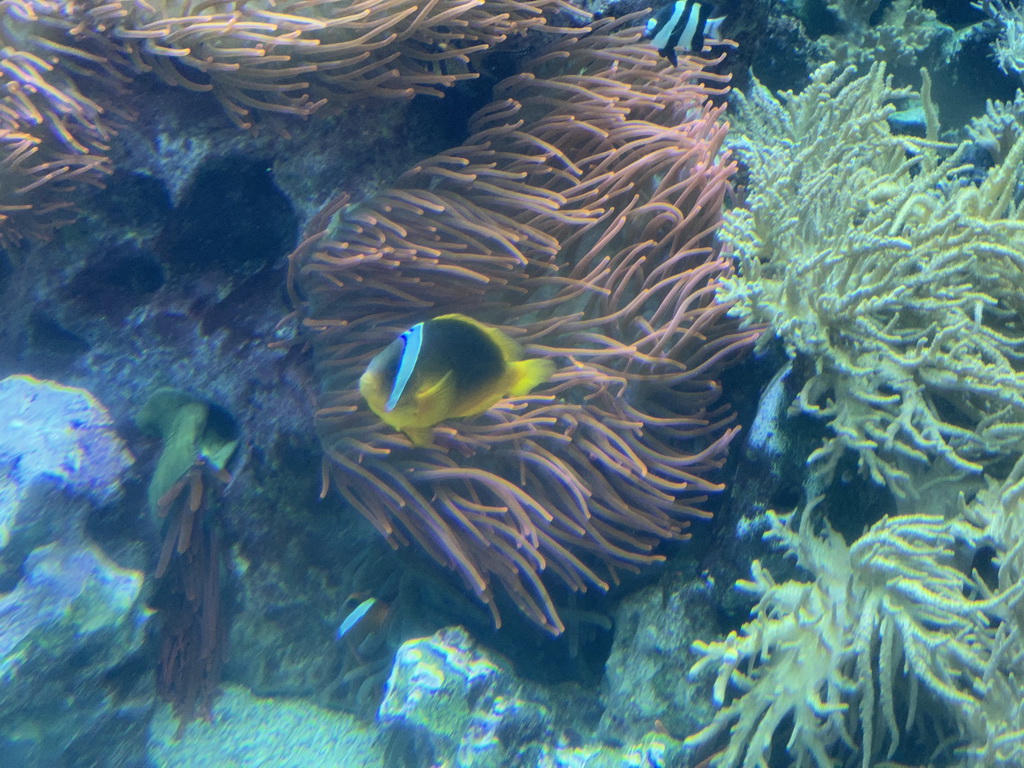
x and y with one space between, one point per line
62 438
449 702
251 731
70 615
645 676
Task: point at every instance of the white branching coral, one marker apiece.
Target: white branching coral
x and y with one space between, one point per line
848 655
999 128
902 33
998 727
1009 44
883 265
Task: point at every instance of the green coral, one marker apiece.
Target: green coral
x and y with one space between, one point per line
870 255
192 430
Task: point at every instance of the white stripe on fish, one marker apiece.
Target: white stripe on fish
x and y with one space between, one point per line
413 339
356 616
683 25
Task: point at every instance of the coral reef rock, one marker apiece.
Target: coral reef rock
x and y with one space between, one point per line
645 677
54 437
451 704
69 616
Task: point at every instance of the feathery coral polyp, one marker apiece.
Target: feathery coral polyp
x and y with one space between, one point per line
578 217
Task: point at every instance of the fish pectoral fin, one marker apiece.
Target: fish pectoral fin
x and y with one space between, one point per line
713 30
420 436
529 374
440 390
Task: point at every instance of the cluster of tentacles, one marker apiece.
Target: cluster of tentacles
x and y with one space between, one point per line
198 440
193 634
66 67
579 218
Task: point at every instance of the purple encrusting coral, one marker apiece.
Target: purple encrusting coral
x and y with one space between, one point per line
59 432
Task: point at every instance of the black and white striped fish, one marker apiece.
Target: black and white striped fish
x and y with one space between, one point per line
682 25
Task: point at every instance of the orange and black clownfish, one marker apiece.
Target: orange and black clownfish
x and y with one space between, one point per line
444 368
682 25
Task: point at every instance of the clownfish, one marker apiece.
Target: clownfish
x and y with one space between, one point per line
443 368
367 616
682 25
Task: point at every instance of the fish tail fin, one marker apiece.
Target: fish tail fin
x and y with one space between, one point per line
529 374
713 30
